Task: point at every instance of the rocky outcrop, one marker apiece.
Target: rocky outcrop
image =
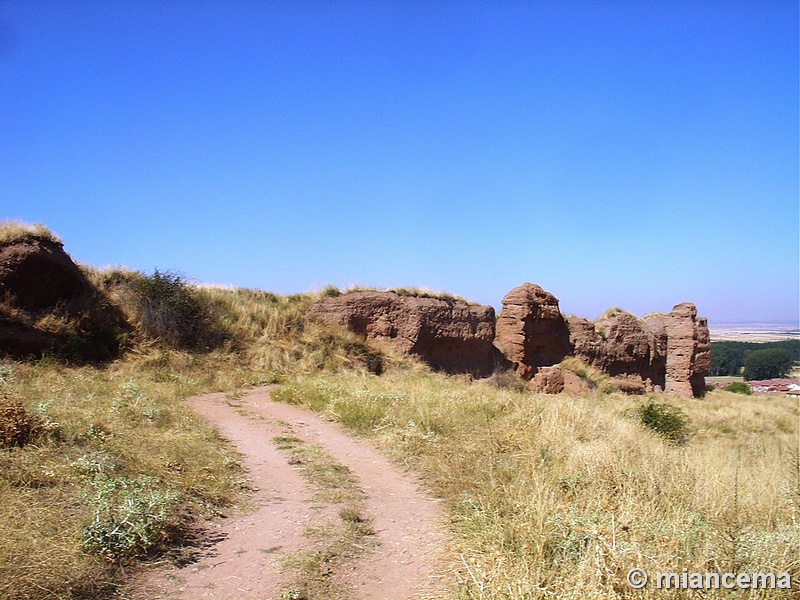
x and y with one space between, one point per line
48 306
556 379
660 352
531 331
688 350
618 344
447 334
657 340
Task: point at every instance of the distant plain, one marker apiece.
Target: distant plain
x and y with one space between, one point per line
753 332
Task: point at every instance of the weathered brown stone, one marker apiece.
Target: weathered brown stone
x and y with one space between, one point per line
631 383
660 352
21 340
627 351
531 331
617 344
657 340
449 335
585 341
549 380
575 384
688 350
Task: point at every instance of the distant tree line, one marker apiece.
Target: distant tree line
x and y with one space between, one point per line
754 360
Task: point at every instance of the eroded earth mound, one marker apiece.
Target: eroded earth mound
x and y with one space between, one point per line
447 334
531 331
669 352
48 305
660 352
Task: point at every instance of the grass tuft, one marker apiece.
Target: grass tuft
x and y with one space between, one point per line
12 231
18 426
508 380
596 378
563 495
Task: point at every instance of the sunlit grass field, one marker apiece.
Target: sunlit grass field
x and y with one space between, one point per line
546 496
560 496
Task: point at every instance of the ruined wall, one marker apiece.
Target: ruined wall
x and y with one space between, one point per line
668 353
449 335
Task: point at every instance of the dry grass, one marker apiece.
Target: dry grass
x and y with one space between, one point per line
18 426
594 377
548 496
400 291
560 496
122 423
115 442
16 231
273 335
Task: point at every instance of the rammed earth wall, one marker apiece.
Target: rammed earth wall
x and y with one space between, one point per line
659 352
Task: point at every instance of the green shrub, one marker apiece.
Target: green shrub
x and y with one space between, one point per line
130 516
738 387
666 420
172 311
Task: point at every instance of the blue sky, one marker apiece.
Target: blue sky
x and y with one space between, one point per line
631 154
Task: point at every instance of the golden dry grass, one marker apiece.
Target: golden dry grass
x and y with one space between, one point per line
106 433
16 231
123 422
560 496
415 292
548 496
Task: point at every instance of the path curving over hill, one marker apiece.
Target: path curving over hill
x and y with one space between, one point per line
248 558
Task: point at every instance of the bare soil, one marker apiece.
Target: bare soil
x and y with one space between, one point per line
245 557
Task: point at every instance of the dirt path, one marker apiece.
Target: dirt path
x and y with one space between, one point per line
249 560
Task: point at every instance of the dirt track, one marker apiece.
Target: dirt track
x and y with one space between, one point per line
248 557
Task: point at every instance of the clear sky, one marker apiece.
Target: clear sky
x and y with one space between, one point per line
631 154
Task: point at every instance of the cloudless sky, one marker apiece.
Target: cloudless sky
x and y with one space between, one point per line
631 154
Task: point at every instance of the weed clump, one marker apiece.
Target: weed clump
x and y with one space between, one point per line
130 516
18 427
330 291
173 312
409 292
668 421
506 379
739 387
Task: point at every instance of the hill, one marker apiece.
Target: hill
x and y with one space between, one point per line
105 466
